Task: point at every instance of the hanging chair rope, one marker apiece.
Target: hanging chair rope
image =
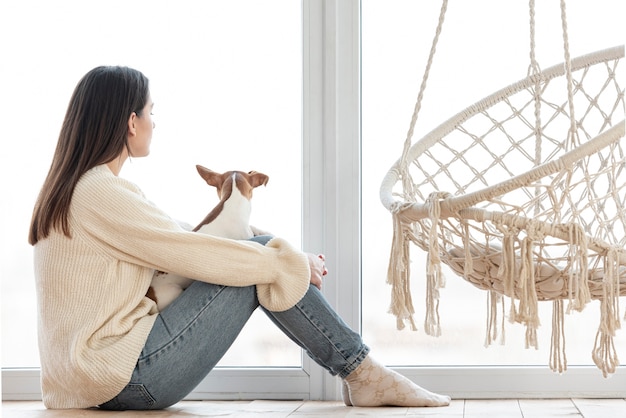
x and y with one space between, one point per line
420 96
398 275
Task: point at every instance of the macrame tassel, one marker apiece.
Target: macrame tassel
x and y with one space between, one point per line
579 294
558 359
528 306
468 265
604 354
434 276
493 300
398 274
508 267
435 279
507 271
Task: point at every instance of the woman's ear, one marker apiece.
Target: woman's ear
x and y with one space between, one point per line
132 130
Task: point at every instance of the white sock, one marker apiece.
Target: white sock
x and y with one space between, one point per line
372 384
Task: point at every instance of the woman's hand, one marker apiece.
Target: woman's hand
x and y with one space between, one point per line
318 269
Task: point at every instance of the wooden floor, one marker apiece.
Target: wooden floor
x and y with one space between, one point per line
501 408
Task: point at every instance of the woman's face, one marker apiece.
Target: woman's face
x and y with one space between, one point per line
141 128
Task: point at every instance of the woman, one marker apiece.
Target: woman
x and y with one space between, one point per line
98 241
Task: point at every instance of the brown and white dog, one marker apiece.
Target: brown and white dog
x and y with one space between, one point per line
230 218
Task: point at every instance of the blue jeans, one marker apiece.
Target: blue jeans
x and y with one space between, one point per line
193 333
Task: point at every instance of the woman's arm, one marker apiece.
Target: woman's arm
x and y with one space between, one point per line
123 223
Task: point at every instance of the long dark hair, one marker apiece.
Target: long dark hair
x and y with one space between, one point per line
94 132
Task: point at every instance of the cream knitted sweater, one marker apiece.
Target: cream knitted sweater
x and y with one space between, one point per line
94 317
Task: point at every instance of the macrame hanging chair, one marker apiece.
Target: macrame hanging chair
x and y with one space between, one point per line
523 194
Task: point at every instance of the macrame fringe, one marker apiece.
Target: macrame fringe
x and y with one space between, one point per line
508 267
558 359
399 273
528 313
579 294
604 354
435 279
468 265
493 300
523 268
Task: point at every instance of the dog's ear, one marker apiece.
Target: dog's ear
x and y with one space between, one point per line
258 179
210 176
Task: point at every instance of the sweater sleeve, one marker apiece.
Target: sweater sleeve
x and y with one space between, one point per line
123 223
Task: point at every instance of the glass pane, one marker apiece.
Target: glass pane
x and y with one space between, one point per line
483 47
226 80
